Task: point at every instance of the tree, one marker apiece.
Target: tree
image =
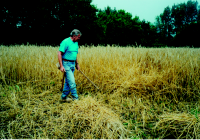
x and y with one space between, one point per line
173 21
191 12
48 21
164 26
198 15
184 14
167 22
188 36
119 27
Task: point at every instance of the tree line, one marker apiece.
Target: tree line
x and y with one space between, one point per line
48 22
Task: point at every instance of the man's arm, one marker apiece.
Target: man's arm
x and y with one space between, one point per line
60 61
77 66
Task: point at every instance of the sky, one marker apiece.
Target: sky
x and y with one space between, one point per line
145 9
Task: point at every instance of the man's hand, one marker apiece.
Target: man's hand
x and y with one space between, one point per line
60 54
77 67
62 69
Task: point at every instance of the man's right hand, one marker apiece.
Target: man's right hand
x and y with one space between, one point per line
62 69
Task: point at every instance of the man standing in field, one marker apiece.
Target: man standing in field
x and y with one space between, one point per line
67 57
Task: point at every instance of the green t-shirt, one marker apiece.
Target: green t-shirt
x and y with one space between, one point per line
69 48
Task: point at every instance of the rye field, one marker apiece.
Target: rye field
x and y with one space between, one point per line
144 93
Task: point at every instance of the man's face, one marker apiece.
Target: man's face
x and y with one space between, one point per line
76 38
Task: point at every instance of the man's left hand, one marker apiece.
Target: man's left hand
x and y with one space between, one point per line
77 67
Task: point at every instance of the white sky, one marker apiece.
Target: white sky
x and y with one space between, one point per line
145 9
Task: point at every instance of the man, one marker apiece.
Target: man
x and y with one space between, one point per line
67 57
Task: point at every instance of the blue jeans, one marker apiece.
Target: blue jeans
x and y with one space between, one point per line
70 84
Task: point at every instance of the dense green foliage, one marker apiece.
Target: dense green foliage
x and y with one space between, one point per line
48 22
181 21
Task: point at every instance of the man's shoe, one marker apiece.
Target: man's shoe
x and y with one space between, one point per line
68 100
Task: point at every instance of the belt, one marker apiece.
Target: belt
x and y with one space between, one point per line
69 60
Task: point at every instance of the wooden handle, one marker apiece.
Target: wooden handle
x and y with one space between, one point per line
62 81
